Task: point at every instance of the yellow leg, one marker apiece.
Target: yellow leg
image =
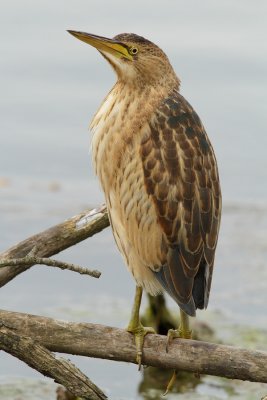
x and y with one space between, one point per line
183 332
136 328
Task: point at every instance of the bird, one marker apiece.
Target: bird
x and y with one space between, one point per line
159 175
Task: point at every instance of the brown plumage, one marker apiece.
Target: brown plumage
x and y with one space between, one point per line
158 171
182 181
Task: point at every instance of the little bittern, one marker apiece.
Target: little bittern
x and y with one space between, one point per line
159 174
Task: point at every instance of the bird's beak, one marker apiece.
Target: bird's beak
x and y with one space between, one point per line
103 44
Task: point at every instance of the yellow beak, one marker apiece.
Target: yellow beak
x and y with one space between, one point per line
103 44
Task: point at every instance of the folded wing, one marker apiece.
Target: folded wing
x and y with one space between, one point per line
181 179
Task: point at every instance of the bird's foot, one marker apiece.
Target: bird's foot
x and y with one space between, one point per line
139 333
177 333
181 333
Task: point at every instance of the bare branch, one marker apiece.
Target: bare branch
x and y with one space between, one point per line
54 240
116 344
41 359
32 260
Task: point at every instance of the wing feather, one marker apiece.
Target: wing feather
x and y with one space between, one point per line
181 178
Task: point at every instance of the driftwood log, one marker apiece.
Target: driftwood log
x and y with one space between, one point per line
116 344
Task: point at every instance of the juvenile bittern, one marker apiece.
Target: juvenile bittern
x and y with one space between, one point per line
159 174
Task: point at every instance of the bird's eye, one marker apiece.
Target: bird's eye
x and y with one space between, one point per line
133 50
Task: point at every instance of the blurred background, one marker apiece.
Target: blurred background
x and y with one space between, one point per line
51 85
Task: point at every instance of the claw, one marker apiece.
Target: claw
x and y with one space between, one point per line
171 383
136 328
139 334
177 333
172 333
139 360
183 332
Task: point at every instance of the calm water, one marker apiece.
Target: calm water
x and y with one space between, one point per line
51 85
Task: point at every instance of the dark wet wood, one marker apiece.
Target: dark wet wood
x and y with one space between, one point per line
116 344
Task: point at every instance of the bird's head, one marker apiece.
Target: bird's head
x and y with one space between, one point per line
136 60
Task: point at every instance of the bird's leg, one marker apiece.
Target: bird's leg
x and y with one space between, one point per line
183 332
136 328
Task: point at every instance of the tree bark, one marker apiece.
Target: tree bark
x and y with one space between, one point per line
116 344
54 240
41 359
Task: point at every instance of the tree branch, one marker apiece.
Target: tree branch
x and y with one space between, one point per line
116 344
54 240
32 260
41 359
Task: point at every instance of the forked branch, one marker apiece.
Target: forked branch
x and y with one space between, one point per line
54 240
116 344
41 359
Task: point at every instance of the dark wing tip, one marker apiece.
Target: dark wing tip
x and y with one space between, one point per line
164 278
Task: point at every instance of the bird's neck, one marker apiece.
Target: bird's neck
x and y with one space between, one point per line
130 101
119 121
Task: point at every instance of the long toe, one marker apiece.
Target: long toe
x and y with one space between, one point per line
139 334
172 333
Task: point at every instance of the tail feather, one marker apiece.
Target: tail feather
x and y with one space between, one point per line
165 278
199 287
180 287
